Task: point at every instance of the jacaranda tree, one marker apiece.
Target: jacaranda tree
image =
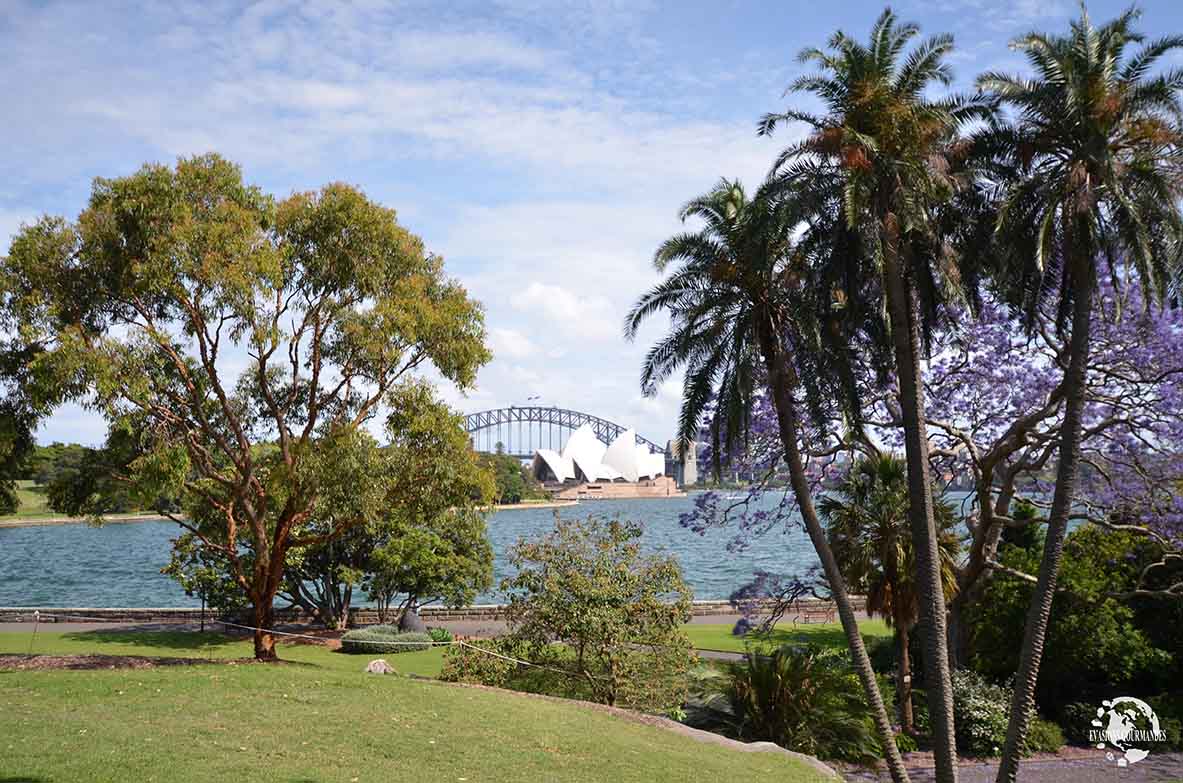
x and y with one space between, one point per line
1091 165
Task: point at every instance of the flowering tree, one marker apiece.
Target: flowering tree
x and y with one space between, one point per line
996 408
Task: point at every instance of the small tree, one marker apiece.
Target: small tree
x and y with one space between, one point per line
586 585
867 524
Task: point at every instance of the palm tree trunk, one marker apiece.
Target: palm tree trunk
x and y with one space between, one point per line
781 382
903 311
904 679
1040 609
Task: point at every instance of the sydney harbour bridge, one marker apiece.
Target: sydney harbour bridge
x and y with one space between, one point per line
521 429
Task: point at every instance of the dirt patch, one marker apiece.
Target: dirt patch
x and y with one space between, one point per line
39 662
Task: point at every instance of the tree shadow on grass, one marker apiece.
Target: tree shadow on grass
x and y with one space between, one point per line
143 640
827 635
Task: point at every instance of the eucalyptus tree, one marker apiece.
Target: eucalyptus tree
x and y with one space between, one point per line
867 524
731 291
892 160
242 343
1092 161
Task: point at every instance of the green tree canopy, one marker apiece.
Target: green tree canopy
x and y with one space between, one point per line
206 318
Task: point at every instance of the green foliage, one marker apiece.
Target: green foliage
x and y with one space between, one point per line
618 613
385 639
906 743
802 700
1043 736
334 304
513 480
867 526
1096 643
464 664
435 547
204 573
1169 709
439 634
981 711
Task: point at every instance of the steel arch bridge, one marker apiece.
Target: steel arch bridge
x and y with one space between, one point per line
522 429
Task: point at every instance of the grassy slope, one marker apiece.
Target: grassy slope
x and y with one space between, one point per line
35 504
718 637
319 719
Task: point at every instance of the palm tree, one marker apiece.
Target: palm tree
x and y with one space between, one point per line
1092 165
729 293
867 524
891 158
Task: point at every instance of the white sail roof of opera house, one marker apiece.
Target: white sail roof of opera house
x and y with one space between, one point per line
585 454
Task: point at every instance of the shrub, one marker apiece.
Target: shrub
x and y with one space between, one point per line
802 701
462 663
1043 736
980 710
905 743
440 634
1096 644
378 638
1169 709
607 615
1076 718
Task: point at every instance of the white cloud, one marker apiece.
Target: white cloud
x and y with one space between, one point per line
573 316
511 343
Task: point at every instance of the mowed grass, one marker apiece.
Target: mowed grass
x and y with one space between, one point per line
708 636
319 718
212 646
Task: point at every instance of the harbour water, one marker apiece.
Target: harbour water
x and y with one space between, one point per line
119 564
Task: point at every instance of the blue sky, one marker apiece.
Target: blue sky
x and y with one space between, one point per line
543 148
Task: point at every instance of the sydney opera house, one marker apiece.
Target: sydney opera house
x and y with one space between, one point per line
587 467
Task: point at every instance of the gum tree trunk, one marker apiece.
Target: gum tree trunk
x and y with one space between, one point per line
781 382
264 639
903 311
1040 608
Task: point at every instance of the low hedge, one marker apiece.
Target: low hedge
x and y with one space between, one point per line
377 638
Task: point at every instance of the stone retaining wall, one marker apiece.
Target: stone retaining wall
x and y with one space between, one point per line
357 616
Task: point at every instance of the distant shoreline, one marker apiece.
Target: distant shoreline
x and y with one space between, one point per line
541 504
54 521
129 518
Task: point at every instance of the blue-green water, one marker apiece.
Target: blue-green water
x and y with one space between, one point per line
119 564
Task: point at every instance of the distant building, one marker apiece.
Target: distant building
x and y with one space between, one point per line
684 471
585 459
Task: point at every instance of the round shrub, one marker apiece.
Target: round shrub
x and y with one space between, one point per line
440 634
1043 736
378 638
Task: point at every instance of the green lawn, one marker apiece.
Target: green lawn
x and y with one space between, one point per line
718 637
185 644
34 503
320 719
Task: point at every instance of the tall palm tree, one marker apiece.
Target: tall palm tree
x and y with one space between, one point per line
867 525
729 293
891 157
1093 161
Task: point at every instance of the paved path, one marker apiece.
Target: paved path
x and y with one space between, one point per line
1158 768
